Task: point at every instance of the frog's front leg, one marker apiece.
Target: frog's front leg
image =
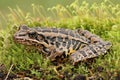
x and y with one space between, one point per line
55 55
90 51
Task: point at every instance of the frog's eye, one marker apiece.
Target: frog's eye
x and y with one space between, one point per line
40 37
32 34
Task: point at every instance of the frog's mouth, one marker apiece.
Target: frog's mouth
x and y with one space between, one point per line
22 38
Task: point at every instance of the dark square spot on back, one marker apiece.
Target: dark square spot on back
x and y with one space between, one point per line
52 43
57 44
73 41
48 37
55 30
64 44
46 30
63 31
71 33
66 38
93 50
69 43
53 39
83 53
60 39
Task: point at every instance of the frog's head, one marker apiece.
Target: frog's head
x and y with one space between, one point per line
28 36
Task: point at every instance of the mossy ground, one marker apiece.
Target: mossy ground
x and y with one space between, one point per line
102 19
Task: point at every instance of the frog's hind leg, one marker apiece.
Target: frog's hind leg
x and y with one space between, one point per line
90 51
91 37
94 39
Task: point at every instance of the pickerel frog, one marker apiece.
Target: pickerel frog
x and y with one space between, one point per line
60 43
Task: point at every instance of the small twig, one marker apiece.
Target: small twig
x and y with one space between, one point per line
8 72
61 76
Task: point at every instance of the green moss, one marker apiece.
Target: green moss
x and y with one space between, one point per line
102 19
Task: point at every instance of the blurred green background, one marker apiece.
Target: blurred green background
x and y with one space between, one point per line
26 4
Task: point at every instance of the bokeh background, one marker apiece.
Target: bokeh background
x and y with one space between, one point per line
26 4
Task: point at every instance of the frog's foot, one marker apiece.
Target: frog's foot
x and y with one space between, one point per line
90 51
